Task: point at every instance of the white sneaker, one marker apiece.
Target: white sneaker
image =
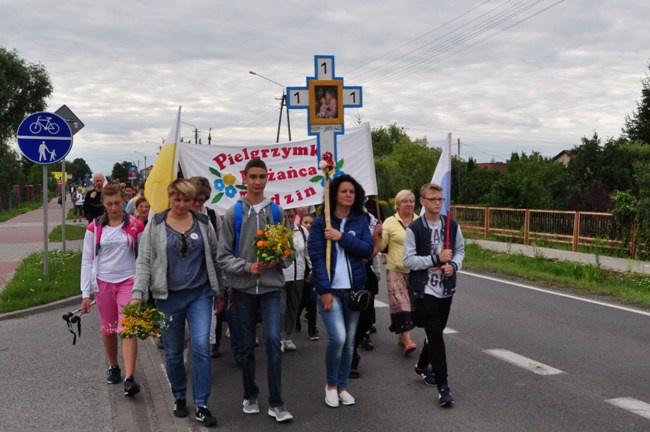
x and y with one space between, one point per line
251 406
282 347
280 413
332 398
289 345
346 398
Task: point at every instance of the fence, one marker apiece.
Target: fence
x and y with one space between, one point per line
572 228
17 195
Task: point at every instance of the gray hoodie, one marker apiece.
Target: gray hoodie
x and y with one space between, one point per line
237 268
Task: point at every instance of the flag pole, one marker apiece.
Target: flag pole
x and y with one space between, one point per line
326 166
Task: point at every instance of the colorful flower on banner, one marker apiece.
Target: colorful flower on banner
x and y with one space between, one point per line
335 170
225 185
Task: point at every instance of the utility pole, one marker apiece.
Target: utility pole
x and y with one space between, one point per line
283 104
459 165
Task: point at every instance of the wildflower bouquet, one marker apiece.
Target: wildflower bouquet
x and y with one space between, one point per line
275 242
142 321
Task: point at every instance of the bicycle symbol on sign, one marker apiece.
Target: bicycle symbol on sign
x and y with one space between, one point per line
44 124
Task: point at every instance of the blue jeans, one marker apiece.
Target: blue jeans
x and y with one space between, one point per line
195 305
246 306
341 325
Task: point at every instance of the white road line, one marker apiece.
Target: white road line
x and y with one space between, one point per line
626 309
449 330
381 304
523 362
632 405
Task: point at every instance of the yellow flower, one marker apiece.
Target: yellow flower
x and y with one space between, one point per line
229 179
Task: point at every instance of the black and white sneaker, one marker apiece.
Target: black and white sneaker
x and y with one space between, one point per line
203 415
131 388
180 407
425 373
313 334
444 397
114 374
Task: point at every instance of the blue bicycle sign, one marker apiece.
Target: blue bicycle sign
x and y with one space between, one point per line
44 124
44 138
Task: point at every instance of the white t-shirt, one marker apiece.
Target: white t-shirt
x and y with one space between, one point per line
341 278
434 285
116 257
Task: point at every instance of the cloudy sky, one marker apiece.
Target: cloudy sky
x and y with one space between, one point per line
502 76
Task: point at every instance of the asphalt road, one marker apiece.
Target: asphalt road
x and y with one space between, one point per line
577 356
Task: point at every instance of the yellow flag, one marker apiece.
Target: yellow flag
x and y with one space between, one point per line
164 170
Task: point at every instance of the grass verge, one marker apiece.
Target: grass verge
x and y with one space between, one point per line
623 287
29 287
72 232
5 215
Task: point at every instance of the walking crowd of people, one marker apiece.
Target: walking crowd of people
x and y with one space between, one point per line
201 270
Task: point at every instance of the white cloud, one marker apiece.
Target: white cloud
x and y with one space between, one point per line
125 67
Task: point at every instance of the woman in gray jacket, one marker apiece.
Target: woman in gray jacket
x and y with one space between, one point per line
177 261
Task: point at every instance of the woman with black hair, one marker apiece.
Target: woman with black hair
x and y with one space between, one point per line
352 243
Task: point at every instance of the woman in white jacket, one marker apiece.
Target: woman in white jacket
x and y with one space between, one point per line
107 272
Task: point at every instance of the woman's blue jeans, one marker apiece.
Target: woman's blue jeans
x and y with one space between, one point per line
195 306
341 325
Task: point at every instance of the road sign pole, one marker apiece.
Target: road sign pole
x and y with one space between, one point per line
45 269
64 190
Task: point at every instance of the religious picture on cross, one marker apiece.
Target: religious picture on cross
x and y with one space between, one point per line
326 102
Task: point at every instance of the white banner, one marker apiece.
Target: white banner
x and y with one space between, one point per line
294 177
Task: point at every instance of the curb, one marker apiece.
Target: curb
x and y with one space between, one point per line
70 301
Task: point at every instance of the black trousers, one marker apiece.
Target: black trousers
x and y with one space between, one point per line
432 314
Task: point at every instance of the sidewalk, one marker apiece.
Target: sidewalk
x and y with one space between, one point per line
94 404
609 263
23 235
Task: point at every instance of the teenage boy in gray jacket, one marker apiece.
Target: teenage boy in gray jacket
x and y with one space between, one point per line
255 285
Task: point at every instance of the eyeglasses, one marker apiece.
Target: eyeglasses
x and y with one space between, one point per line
434 200
200 200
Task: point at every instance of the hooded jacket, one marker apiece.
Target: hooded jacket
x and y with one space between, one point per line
237 268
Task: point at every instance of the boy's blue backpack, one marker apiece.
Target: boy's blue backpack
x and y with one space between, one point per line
239 218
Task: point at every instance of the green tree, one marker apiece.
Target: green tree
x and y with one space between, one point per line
642 176
476 184
77 169
121 171
384 139
625 214
637 124
524 184
24 87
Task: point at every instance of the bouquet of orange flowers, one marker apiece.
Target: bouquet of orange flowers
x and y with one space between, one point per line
275 242
142 321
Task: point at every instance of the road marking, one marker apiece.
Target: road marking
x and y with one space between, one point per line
449 330
632 405
623 308
381 304
523 362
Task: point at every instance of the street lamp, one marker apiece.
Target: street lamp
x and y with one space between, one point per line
282 105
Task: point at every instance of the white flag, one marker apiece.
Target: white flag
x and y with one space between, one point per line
442 175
